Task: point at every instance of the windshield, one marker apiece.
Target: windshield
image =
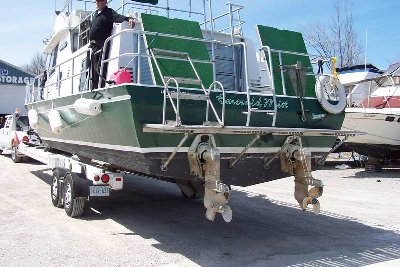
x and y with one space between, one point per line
22 123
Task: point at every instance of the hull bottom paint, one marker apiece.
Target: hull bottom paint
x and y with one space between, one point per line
380 151
248 171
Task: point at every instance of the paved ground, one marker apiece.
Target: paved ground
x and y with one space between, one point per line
150 224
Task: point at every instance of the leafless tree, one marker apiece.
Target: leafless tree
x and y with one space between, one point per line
339 38
37 64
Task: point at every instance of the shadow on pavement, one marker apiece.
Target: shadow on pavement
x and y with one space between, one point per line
264 232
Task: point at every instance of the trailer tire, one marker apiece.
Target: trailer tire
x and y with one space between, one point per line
73 205
14 154
55 189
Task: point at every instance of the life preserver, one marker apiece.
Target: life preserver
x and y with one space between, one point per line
323 86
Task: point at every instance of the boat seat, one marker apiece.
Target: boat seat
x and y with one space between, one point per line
172 54
287 41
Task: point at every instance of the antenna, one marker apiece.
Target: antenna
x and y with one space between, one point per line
366 47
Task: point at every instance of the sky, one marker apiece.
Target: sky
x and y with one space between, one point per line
376 23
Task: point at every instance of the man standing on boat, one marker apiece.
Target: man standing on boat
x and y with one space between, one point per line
100 29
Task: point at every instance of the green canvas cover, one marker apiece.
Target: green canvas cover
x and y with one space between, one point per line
196 50
288 41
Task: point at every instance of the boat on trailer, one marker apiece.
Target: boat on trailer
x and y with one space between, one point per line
374 108
188 101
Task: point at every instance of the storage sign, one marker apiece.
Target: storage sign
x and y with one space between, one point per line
14 76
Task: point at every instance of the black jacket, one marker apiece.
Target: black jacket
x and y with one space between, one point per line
102 24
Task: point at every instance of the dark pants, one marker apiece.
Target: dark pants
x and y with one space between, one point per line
95 65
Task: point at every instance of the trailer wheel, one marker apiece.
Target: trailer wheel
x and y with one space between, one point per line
74 206
56 193
14 154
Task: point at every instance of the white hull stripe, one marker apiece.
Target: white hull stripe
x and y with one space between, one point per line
102 101
233 150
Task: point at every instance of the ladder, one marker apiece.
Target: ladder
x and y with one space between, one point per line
265 90
155 54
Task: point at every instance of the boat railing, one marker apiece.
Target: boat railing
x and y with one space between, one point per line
369 98
39 93
355 98
201 10
140 54
44 89
128 7
232 23
70 5
314 60
44 93
215 85
234 20
183 56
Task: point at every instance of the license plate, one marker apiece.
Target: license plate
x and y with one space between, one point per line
99 191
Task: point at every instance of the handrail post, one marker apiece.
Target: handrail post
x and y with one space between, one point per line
247 84
58 79
282 74
176 108
223 101
72 76
139 36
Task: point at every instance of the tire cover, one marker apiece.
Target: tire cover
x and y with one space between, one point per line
324 82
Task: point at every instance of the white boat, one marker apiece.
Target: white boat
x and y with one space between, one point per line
374 108
187 101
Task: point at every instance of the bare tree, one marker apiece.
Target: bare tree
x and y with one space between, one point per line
339 38
37 64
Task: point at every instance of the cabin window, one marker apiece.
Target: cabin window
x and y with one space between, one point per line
8 123
84 28
75 39
389 118
22 123
63 46
53 60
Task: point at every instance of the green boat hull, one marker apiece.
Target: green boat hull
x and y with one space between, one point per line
116 135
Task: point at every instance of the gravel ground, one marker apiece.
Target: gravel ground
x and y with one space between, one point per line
149 223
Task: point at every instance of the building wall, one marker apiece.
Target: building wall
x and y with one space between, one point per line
12 97
13 82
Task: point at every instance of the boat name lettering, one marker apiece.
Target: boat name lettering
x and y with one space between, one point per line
369 115
256 102
318 116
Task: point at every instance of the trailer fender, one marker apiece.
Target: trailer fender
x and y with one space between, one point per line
61 172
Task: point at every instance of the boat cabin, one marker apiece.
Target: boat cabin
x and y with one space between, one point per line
199 47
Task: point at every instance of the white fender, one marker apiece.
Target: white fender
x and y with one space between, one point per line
323 86
87 106
33 118
55 121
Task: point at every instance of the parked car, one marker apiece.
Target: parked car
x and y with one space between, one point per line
12 133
